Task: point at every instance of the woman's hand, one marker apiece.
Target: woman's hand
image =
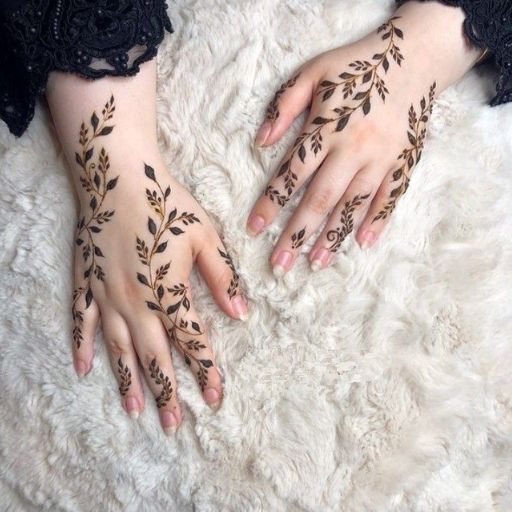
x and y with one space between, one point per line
370 106
138 235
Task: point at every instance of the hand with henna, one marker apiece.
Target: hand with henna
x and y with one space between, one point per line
138 235
370 103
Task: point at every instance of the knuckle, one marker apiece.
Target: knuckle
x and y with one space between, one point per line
361 185
319 201
116 346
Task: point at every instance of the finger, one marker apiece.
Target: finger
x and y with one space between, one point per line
85 313
188 334
152 347
301 160
219 271
123 361
346 216
291 99
393 186
321 196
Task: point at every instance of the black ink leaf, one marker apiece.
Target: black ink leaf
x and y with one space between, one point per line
361 95
93 203
95 229
173 308
97 251
150 172
345 75
328 94
366 106
78 159
399 33
112 183
195 326
302 153
326 83
94 121
97 179
88 298
88 154
367 77
320 120
206 363
151 226
172 215
176 231
342 123
106 130
160 292
153 306
142 278
161 247
385 64
187 360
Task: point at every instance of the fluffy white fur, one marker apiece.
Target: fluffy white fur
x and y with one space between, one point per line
381 384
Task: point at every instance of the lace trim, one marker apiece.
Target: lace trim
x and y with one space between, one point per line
90 38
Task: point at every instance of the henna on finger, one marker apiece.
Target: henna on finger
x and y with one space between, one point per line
298 238
411 155
273 107
233 288
357 86
171 302
125 377
95 180
163 380
338 235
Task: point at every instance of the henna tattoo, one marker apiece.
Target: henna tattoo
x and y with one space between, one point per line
173 302
410 156
125 376
273 107
338 235
298 238
235 279
162 380
364 74
95 181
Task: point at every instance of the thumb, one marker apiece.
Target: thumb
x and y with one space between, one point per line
292 98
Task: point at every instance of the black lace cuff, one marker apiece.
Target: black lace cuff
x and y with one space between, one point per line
87 37
488 25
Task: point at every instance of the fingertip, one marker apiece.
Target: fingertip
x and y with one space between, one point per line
366 238
263 134
240 309
255 225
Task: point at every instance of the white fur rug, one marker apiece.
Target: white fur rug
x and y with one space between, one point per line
381 384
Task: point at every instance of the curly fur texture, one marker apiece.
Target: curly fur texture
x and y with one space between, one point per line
381 384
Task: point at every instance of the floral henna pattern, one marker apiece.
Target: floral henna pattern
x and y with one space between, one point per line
173 302
298 238
273 107
95 180
357 86
338 235
125 377
234 284
410 156
162 380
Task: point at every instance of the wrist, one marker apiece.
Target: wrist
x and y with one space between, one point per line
437 44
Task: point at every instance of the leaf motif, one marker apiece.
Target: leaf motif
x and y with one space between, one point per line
345 75
327 83
385 64
150 172
112 183
302 153
327 94
88 154
151 226
88 298
160 292
367 77
367 106
176 231
206 363
78 159
342 123
97 251
195 326
320 120
106 130
93 203
142 279
153 306
94 121
161 247
173 308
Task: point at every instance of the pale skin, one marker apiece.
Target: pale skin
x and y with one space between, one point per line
133 332
358 162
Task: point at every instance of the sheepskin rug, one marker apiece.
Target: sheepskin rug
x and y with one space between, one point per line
381 384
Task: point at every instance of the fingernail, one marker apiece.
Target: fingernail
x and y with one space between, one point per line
132 406
169 422
256 225
368 238
240 308
320 259
212 397
282 263
81 368
263 133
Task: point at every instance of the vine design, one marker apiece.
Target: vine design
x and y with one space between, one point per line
298 238
172 302
163 380
411 155
125 376
357 85
338 235
95 181
273 107
235 278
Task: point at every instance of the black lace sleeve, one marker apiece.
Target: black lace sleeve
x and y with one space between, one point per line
488 25
92 38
